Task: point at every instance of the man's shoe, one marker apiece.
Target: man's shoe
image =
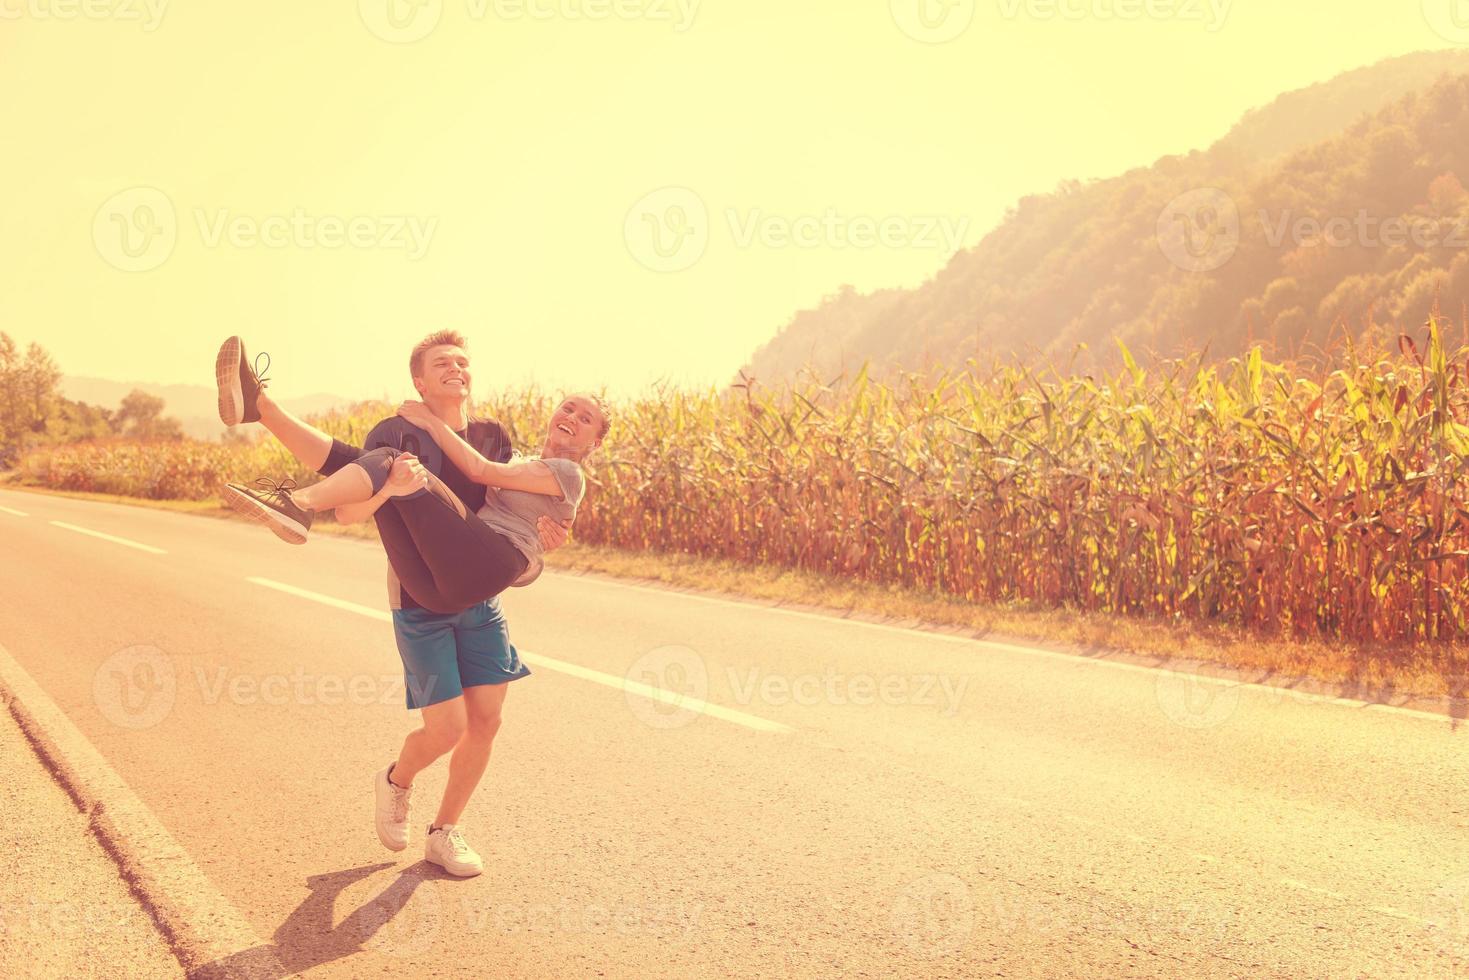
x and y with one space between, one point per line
271 505
239 383
392 811
446 848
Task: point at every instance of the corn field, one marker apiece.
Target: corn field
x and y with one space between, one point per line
1314 502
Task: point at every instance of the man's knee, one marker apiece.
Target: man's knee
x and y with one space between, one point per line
484 726
446 729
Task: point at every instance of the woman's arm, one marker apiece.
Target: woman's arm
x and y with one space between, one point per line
532 476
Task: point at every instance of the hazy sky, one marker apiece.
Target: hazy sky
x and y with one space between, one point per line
599 192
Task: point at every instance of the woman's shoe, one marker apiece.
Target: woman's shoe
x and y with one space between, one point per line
271 505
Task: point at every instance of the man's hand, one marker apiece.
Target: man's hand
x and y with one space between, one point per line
553 533
418 413
407 476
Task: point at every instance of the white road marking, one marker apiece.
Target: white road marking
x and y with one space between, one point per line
562 666
12 510
1073 658
207 927
110 537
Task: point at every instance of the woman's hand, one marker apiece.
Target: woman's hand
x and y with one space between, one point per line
418 413
407 476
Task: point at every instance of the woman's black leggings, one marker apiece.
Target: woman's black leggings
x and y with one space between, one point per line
447 558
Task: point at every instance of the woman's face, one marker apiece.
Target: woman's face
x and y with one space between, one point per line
576 428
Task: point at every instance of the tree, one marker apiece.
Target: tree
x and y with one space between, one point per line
140 416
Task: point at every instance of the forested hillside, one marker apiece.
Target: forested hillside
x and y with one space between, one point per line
1367 226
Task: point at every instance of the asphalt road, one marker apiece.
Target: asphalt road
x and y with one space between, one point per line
688 787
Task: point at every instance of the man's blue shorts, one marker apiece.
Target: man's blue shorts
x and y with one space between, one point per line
444 654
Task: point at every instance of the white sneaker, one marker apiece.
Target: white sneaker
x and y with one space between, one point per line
446 848
392 811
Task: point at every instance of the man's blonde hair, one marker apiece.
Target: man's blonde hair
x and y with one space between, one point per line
441 338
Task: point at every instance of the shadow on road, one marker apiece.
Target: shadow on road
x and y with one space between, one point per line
308 938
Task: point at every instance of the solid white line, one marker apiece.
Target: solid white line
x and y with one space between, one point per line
211 929
1072 658
12 510
110 537
573 670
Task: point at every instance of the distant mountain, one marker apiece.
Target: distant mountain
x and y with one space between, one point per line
195 406
1086 264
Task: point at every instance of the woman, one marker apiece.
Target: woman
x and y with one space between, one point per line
461 558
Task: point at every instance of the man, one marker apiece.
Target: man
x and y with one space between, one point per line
456 666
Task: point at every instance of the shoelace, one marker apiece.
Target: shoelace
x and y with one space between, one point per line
400 802
278 489
456 842
259 372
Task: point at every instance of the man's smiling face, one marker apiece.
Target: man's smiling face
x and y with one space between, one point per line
445 374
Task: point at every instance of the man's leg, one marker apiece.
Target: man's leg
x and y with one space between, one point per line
483 706
444 729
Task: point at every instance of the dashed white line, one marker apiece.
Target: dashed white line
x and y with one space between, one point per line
12 510
574 670
110 537
1271 689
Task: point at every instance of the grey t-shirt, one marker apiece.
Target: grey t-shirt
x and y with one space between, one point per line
514 513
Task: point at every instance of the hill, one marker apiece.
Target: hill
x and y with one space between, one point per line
1074 269
193 405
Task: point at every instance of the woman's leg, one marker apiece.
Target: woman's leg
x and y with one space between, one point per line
306 442
468 561
351 484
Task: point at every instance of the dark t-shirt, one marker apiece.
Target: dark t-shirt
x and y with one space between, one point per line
489 438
